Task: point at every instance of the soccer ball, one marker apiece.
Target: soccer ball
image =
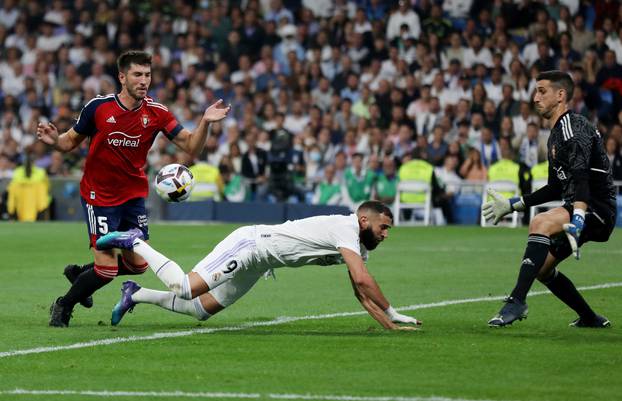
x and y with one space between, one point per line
174 183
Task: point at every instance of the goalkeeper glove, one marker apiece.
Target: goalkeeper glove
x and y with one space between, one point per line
500 206
573 231
399 318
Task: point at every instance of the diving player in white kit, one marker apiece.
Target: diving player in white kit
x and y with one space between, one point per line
238 261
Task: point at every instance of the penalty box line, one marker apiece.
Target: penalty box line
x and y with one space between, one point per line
273 322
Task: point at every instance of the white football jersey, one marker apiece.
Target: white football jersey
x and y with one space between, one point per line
311 241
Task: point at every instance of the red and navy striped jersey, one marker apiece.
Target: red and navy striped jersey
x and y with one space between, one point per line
119 141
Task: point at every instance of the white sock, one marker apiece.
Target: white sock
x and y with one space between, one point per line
167 271
169 300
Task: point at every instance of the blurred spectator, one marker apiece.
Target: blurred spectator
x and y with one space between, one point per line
296 120
328 191
281 184
322 94
403 15
28 192
9 13
6 167
614 42
234 188
582 38
208 183
254 163
404 144
458 10
277 12
612 147
358 183
472 168
489 147
448 183
437 148
610 75
477 54
436 24
385 186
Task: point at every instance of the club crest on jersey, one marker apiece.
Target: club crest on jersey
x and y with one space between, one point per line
121 139
560 173
553 151
145 120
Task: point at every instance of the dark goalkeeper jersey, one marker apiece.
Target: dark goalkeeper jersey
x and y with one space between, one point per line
576 152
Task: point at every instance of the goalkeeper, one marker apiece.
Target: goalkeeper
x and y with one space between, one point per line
580 175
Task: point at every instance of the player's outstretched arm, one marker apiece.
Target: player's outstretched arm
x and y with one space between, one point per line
48 134
370 296
193 142
374 311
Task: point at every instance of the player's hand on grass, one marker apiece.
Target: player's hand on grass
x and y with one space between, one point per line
215 112
47 133
573 233
499 206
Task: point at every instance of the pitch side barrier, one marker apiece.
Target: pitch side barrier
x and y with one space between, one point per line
66 206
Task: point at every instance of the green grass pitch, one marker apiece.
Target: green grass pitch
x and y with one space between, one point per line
455 357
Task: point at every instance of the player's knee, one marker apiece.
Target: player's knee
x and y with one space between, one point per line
541 224
182 290
177 290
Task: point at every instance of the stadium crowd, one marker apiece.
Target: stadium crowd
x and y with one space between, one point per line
329 97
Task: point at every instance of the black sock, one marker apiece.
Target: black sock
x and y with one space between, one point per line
86 284
535 255
564 289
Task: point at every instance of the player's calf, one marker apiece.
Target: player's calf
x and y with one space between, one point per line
132 294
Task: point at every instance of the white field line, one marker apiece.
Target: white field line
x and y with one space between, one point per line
273 322
182 394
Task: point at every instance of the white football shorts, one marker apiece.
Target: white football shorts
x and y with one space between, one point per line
232 267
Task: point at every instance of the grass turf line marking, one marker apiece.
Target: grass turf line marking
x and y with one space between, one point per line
274 322
176 394
180 394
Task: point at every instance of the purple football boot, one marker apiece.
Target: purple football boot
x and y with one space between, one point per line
125 304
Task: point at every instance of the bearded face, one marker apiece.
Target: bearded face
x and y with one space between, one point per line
137 80
374 230
368 238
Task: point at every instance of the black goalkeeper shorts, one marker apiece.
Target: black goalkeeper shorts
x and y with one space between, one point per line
600 221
